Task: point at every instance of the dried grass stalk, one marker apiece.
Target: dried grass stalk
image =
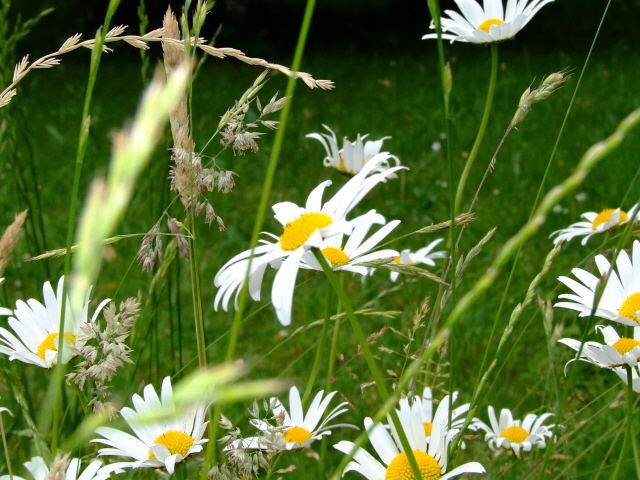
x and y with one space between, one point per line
9 239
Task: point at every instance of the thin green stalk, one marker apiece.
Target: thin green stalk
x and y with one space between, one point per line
483 126
630 429
319 351
7 456
259 221
623 449
196 296
83 138
371 363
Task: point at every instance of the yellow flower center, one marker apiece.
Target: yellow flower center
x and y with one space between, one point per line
630 306
335 256
176 442
428 426
397 260
297 435
51 343
515 434
400 468
486 25
605 216
296 233
625 345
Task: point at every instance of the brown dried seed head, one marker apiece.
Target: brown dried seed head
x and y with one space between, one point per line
9 239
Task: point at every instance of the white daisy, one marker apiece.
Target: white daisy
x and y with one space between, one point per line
353 155
40 471
303 228
489 24
620 300
516 434
298 429
155 444
595 223
350 255
423 406
430 455
37 327
423 256
615 352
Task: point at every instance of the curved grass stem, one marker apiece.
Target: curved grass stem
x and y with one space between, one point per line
481 129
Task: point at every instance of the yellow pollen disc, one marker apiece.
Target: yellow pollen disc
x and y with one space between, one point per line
176 442
630 306
515 434
400 468
297 435
397 260
486 25
625 345
51 343
605 216
296 233
335 256
428 426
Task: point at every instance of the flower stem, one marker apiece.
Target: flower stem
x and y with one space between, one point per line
371 363
630 429
6 449
319 351
483 126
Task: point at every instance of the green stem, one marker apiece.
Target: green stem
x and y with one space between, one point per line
196 296
6 448
319 351
371 363
262 208
630 429
483 126
83 138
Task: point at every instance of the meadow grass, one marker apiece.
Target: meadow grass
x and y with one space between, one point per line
392 94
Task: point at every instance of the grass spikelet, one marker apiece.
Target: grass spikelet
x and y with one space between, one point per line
9 240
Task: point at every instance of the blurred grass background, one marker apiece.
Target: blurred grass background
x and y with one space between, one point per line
386 84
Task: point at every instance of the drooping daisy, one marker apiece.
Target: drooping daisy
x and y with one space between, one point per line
423 256
39 470
303 228
421 409
357 249
515 434
620 300
156 444
489 24
298 429
37 327
615 352
595 223
431 455
353 155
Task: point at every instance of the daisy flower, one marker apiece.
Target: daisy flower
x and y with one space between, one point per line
298 429
489 24
615 352
303 228
620 300
421 409
40 471
156 444
353 155
37 327
423 256
431 454
595 223
515 434
350 255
